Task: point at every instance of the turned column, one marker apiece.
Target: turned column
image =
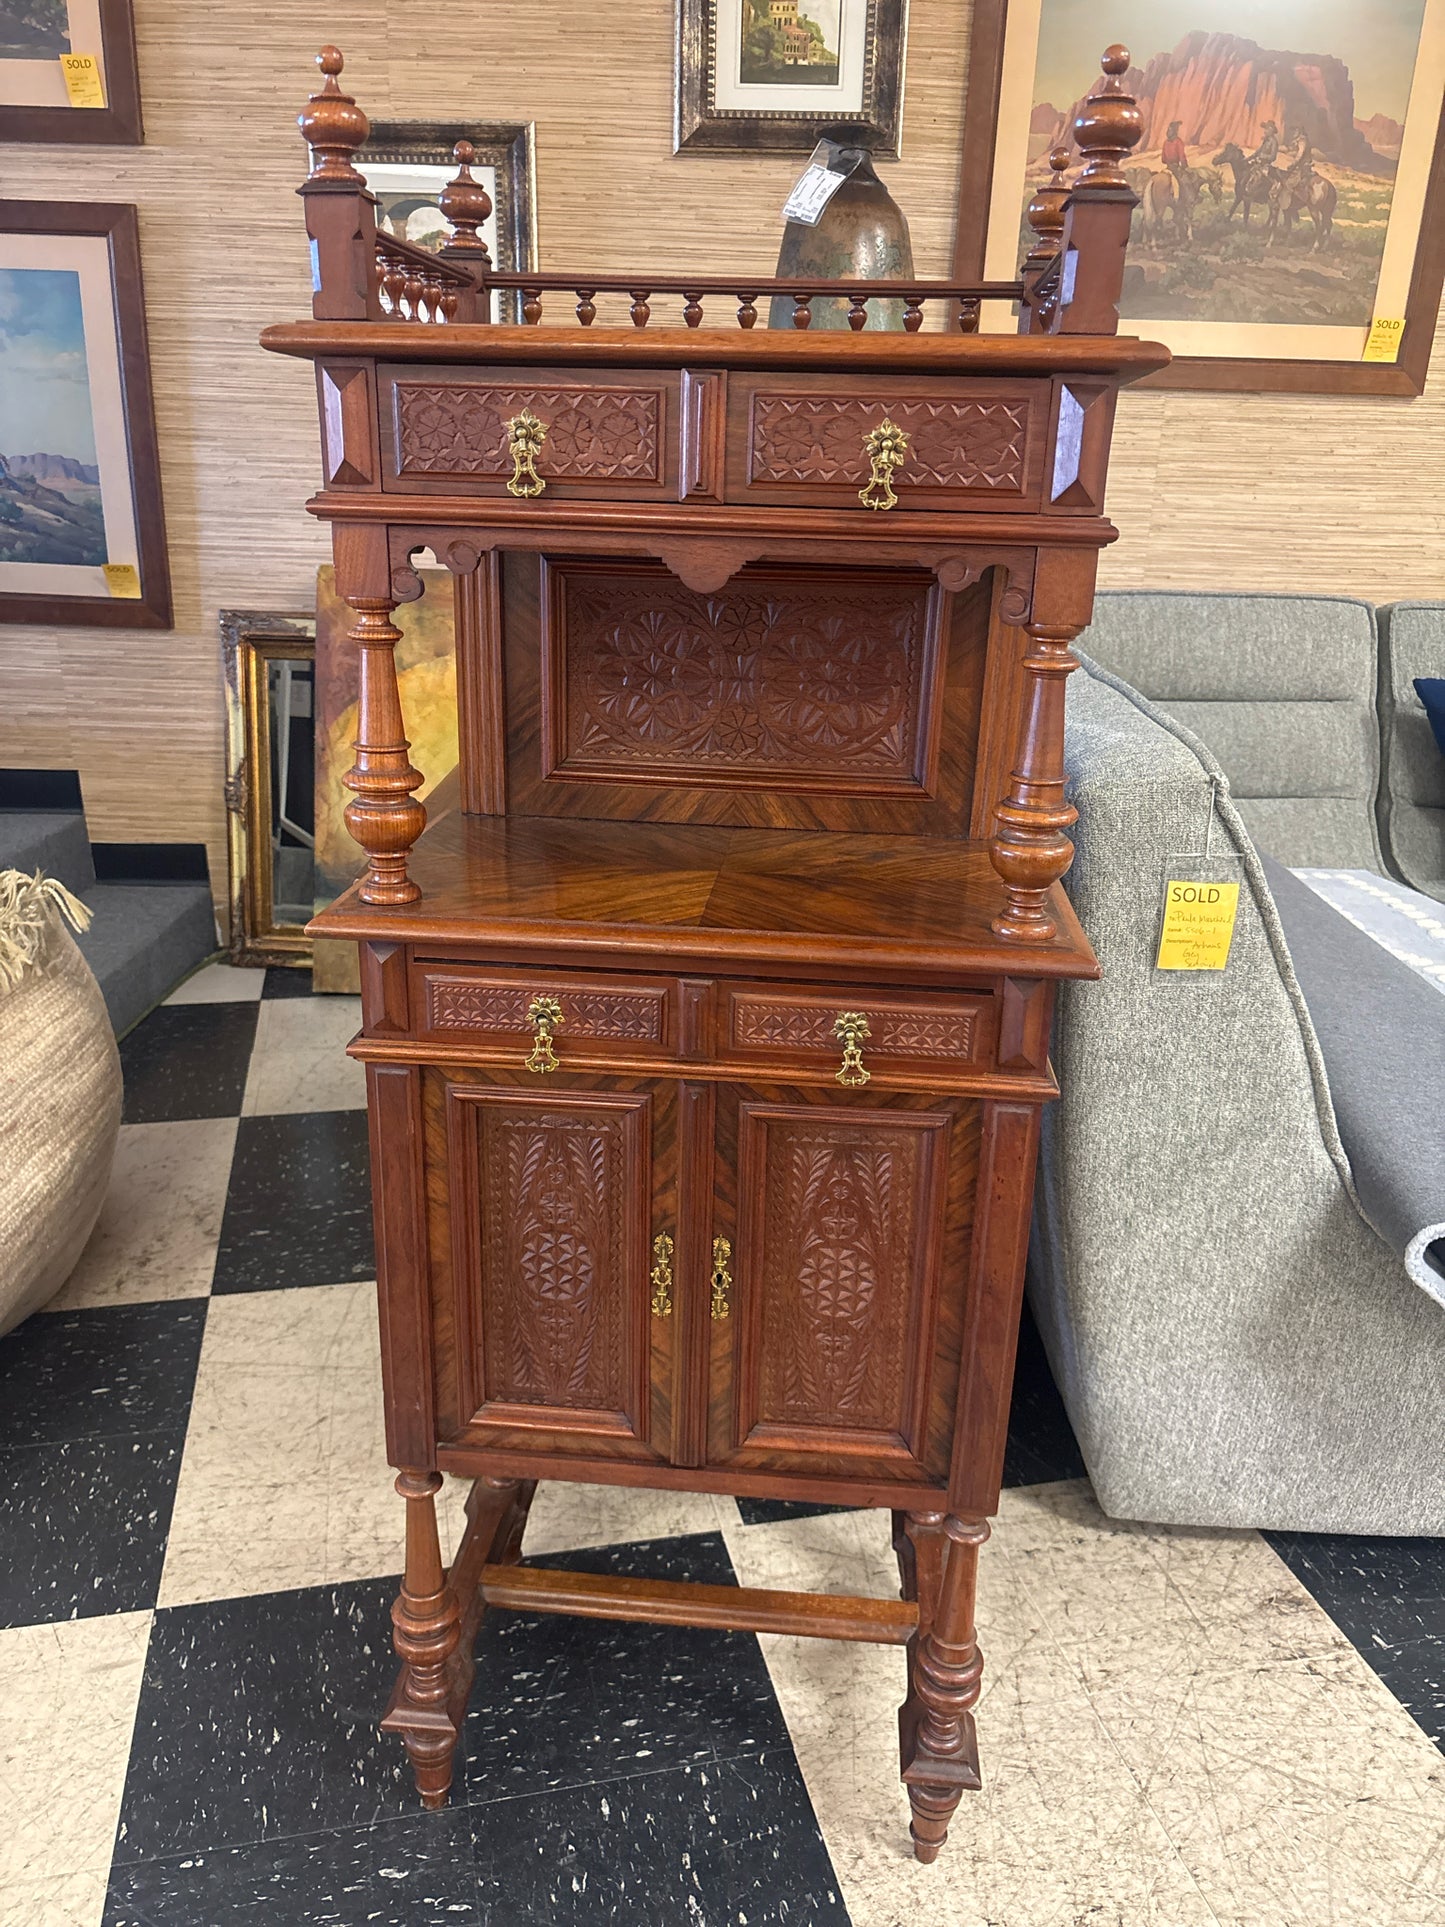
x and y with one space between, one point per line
340 211
383 816
1029 849
938 1747
427 1627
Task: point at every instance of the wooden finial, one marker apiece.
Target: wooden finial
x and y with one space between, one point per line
465 204
1108 125
1045 212
333 125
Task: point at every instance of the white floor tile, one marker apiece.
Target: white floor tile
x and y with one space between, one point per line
220 983
299 1062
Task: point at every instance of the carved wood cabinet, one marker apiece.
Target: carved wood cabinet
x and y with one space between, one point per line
706 1028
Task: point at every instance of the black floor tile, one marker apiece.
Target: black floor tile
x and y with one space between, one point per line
298 1211
111 1371
416 1871
83 1524
287 983
188 1060
1041 1445
559 1702
730 1843
767 1512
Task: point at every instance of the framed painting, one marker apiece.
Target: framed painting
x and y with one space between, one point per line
407 163
770 75
82 532
1291 174
68 72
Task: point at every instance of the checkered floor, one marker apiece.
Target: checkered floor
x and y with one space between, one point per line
201 1544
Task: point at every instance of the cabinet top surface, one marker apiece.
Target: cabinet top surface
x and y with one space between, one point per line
881 906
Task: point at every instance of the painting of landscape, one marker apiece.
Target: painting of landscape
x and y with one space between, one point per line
789 41
50 497
34 29
1266 170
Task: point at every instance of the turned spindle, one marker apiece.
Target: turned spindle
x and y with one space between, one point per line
332 125
938 1746
747 310
692 312
466 205
383 816
640 311
1029 849
1099 208
912 314
1108 125
586 306
802 310
426 1623
1045 212
857 312
340 213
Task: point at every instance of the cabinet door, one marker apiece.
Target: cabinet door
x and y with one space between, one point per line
555 1199
849 1228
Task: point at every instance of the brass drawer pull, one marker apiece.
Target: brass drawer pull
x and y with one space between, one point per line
525 435
544 1014
662 1276
885 446
722 1277
850 1027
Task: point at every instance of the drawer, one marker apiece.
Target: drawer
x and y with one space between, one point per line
602 1018
801 439
927 1037
447 431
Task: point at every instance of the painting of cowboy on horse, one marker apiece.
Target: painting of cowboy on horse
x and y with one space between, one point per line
1264 178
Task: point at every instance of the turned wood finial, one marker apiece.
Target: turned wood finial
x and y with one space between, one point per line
333 125
1108 125
1045 212
465 204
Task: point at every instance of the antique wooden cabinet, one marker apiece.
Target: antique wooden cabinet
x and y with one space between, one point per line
706 1028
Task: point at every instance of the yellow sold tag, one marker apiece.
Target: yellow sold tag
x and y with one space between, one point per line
1198 925
122 579
1386 334
82 80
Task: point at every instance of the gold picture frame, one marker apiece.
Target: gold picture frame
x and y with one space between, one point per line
250 643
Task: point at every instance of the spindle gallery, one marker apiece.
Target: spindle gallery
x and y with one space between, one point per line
706 1032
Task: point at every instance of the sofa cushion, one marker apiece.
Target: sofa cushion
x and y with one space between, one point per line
1412 793
1282 688
1431 691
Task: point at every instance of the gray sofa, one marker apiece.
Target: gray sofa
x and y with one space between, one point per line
1235 1343
1412 789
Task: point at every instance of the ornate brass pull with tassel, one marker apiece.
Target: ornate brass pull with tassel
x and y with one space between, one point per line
525 435
850 1027
544 1014
722 1277
661 1276
886 446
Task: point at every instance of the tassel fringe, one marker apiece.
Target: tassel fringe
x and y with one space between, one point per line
29 907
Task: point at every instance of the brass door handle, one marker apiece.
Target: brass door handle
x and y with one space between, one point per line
662 1276
525 435
850 1027
722 1277
544 1014
886 447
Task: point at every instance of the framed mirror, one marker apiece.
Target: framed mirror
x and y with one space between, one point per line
269 664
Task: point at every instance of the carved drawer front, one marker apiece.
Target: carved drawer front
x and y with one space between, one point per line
807 440
580 434
924 1036
514 1015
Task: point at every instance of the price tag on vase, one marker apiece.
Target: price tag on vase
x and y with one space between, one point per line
813 189
83 84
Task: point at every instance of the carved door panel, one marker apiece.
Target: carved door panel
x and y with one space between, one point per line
557 1198
849 1234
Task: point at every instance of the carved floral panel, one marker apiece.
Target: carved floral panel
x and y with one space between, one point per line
765 1023
629 1016
787 676
593 434
955 444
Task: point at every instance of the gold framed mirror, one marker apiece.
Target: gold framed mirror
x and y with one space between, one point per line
269 664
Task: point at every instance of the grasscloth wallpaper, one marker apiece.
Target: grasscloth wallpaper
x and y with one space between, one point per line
1242 491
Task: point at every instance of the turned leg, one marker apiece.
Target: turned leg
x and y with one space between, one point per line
1029 849
938 1747
427 1626
383 815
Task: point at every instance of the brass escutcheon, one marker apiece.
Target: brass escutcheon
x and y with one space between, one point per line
662 1276
525 435
722 1277
850 1027
544 1014
885 446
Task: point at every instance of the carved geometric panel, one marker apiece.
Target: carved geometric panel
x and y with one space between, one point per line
627 1016
593 434
555 1183
956 444
778 675
771 1023
842 1267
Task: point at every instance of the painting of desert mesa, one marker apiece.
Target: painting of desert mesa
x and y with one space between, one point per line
50 498
1265 173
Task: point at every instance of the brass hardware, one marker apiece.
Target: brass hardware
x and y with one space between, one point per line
850 1027
722 1277
525 436
662 1276
885 446
544 1014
